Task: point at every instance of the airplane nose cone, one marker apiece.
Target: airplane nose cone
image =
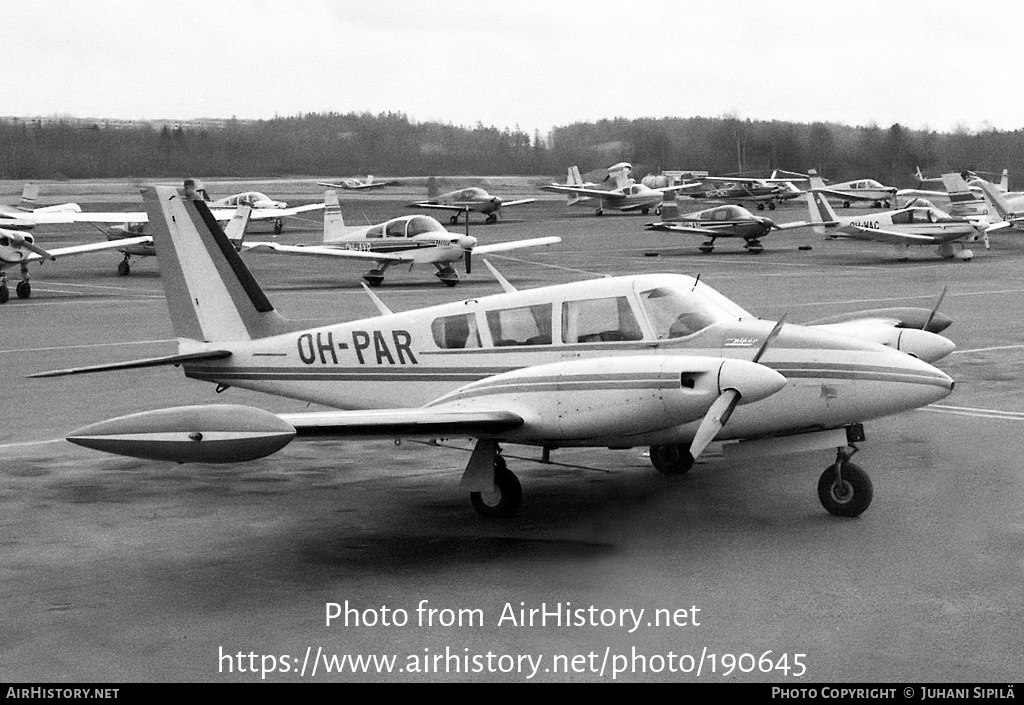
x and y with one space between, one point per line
467 242
924 345
752 380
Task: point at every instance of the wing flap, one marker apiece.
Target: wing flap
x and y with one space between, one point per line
516 244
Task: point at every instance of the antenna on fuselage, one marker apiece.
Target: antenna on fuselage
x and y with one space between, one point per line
695 282
508 288
381 306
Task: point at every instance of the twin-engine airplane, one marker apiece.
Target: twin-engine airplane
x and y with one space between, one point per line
357 184
658 359
469 200
626 196
914 225
20 248
410 239
721 221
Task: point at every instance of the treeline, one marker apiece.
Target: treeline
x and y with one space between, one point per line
391 144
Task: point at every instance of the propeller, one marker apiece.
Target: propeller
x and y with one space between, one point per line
935 309
722 408
467 256
19 240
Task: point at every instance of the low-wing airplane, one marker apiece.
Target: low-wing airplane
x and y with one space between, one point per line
27 214
133 225
915 225
760 192
727 221
469 200
849 192
626 196
409 239
659 359
1009 216
357 184
20 248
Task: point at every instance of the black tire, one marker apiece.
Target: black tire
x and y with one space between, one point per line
671 459
760 206
124 269
506 501
5 294
657 211
374 281
492 219
454 220
852 497
645 211
707 249
771 206
449 282
24 290
278 227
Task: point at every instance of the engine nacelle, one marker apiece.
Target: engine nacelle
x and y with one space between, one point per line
614 396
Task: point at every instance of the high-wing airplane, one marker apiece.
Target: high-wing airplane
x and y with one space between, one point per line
20 248
859 190
27 214
915 225
357 184
727 221
468 200
409 239
627 195
656 359
758 191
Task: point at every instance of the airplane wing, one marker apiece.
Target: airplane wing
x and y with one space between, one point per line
515 244
15 219
680 228
580 191
517 202
441 206
327 251
359 187
794 224
855 232
735 179
91 247
221 214
389 423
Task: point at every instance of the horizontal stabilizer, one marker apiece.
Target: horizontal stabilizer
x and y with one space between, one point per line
133 364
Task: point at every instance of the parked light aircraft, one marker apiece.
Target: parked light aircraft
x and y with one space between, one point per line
1009 216
859 190
926 187
627 195
914 225
467 200
27 214
721 221
656 359
132 225
357 184
20 248
409 239
760 192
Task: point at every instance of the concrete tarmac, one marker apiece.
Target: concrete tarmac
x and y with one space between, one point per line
114 569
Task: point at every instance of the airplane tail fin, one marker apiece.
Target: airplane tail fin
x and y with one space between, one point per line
235 230
573 178
815 180
919 176
962 201
820 209
997 200
1004 183
211 295
29 197
334 222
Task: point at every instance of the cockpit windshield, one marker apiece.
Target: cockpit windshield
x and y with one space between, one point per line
423 224
676 312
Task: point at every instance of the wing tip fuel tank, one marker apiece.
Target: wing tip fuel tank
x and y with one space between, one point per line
219 433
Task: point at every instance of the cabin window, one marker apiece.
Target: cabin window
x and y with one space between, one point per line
456 332
528 325
396 228
599 320
375 231
674 314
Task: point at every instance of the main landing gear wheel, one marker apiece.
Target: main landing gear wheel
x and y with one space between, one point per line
454 219
760 206
671 459
507 497
5 294
847 495
24 290
491 219
771 206
707 247
657 211
373 281
124 269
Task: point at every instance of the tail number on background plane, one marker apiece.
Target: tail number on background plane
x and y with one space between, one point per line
869 224
322 348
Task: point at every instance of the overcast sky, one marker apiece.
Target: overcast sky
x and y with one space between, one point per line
937 64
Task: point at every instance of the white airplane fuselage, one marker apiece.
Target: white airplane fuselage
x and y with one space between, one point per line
413 358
